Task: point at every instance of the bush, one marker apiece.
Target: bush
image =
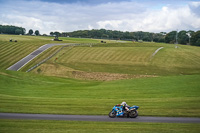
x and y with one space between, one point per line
195 39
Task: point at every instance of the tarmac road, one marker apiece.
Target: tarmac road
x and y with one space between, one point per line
17 66
98 118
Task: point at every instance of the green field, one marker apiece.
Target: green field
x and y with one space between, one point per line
11 52
32 126
117 60
132 59
92 79
170 79
160 96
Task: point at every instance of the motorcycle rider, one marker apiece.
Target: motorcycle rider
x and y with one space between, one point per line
125 106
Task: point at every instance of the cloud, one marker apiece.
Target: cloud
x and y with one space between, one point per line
120 15
166 19
195 8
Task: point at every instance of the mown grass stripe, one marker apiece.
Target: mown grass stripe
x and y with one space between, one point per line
17 50
72 55
94 54
126 57
118 56
4 47
84 55
14 56
10 52
7 49
104 54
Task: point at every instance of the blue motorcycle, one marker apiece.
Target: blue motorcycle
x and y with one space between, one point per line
118 111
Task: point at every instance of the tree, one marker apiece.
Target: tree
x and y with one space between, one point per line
0 29
51 33
56 33
183 37
23 31
30 32
158 37
195 39
9 29
18 31
170 37
37 33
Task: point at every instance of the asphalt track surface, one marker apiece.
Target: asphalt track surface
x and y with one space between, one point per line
17 66
98 118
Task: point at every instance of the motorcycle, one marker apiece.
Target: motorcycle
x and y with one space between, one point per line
118 111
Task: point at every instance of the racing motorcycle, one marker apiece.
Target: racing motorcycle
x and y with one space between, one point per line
118 111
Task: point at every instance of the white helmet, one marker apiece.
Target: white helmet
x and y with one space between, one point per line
123 103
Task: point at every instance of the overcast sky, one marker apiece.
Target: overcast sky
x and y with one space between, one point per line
123 15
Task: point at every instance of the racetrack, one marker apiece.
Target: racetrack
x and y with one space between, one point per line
98 118
17 66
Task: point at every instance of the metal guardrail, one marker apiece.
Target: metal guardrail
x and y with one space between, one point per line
43 61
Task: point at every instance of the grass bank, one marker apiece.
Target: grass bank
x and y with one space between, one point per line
32 126
134 59
160 96
11 52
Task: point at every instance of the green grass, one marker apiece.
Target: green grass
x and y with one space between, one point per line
127 58
11 52
42 126
123 58
174 93
79 40
161 96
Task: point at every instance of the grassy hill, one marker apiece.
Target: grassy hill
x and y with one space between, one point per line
158 96
21 92
11 52
56 87
122 61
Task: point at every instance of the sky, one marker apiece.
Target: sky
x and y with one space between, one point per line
123 15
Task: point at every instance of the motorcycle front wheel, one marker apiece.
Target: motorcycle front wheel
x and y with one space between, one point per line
133 114
112 114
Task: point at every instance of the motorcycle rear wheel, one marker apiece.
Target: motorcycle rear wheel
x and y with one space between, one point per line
133 114
112 114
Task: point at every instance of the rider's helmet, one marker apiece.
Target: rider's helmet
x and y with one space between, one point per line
123 103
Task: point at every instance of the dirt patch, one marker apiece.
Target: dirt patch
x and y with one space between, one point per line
105 76
62 71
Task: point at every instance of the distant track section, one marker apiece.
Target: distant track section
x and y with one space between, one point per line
17 66
156 52
97 118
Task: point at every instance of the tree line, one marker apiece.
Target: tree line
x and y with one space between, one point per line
181 37
116 35
9 29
